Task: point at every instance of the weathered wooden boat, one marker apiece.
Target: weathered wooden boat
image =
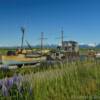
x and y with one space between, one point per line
21 59
68 50
22 56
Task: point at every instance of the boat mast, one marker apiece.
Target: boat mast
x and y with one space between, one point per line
23 32
42 38
62 37
42 41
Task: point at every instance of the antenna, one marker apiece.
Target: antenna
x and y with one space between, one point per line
23 32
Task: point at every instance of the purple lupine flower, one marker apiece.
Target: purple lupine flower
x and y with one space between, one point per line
4 81
18 81
4 90
9 83
15 77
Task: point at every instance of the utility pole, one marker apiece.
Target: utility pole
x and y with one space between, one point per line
23 32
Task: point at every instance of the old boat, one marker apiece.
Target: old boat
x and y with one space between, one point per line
21 59
22 56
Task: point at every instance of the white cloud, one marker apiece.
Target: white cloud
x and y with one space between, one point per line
92 44
89 44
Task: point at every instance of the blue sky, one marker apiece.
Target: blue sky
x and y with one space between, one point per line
80 20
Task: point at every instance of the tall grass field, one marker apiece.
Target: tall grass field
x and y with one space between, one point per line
61 81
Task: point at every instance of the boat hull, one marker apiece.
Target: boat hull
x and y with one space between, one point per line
15 60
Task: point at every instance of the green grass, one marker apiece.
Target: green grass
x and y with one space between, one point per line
3 51
64 81
71 81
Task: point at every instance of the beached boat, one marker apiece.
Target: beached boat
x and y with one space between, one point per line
21 59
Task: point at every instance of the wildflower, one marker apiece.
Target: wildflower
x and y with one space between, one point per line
15 77
4 90
9 83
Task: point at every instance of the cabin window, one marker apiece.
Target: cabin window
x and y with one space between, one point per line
11 53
